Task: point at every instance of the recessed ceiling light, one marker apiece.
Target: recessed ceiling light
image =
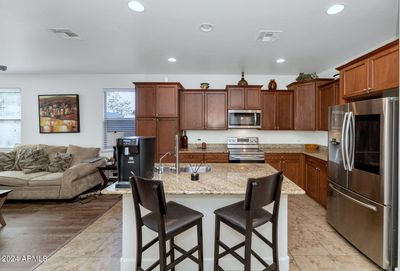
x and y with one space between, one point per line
280 60
136 6
172 59
206 27
335 9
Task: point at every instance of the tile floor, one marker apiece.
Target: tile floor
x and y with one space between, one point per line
313 245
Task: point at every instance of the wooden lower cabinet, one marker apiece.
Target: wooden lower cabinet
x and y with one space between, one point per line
316 179
200 157
289 163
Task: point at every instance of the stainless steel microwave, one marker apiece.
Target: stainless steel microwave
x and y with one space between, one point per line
244 119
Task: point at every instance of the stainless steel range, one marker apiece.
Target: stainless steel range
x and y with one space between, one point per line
245 150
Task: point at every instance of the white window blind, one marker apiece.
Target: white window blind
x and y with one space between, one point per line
10 117
119 114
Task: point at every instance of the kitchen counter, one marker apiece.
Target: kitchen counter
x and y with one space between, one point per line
223 179
223 185
322 153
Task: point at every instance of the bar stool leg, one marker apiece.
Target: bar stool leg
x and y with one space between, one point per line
200 244
163 254
139 249
275 245
247 250
171 247
216 245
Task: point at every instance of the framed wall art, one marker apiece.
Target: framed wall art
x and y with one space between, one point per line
59 113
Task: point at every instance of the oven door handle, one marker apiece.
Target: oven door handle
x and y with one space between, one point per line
369 206
342 145
259 157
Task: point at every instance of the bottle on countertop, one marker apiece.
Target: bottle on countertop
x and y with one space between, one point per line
184 140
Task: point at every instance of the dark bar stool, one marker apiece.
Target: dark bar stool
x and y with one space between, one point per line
168 220
245 216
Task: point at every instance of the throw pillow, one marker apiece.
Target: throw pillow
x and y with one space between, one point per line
79 153
33 161
20 149
52 151
60 163
7 160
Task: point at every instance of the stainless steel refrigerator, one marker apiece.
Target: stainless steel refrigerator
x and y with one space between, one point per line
363 176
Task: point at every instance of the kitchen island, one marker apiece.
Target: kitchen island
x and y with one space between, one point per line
223 185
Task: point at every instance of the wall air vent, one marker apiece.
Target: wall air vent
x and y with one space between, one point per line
268 35
66 33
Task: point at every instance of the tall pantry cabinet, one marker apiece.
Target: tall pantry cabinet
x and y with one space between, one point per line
157 114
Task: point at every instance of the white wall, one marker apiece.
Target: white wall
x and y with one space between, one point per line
90 90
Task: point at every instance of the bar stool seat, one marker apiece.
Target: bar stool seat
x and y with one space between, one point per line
235 215
178 218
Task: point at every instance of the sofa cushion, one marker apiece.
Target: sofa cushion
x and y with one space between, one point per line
60 163
52 150
7 160
18 178
33 161
20 149
47 180
80 153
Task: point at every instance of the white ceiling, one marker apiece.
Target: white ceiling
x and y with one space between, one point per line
117 40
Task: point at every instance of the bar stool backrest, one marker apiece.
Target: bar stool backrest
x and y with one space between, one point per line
263 191
149 194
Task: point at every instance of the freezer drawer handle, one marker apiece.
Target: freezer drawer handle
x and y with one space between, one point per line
371 207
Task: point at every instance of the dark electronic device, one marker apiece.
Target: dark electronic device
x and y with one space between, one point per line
135 155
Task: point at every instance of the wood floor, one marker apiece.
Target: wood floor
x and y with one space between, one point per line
35 230
313 245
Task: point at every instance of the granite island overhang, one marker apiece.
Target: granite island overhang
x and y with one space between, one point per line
223 185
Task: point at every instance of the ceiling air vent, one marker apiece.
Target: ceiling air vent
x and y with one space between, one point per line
268 35
66 33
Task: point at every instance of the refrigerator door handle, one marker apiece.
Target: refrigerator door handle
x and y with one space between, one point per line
343 147
347 141
352 141
369 206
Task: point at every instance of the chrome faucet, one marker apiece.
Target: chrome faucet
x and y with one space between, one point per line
161 158
177 154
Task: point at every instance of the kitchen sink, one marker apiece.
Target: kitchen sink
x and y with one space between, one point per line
169 169
202 169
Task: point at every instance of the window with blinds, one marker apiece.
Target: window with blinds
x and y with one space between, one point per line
119 115
10 117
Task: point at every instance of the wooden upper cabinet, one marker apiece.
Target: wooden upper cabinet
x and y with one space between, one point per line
157 100
167 101
245 98
355 79
236 98
371 74
145 101
268 111
384 69
277 108
215 110
284 110
192 110
304 106
305 103
252 98
327 95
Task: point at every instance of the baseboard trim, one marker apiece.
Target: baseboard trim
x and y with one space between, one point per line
127 264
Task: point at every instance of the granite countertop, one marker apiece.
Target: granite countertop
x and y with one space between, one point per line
322 153
223 179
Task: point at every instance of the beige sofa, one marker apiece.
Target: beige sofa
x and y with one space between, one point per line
80 177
